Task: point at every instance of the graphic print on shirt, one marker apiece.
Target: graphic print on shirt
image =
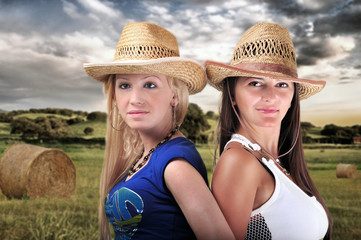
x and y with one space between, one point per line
124 209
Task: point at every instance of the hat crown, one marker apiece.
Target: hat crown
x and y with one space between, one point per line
145 41
266 43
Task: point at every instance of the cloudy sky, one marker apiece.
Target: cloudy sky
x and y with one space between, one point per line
43 44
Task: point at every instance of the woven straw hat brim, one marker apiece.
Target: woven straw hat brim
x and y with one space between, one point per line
190 71
217 72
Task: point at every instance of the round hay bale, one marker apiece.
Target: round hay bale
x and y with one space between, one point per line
346 171
33 171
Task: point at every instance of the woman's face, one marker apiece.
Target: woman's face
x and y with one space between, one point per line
263 102
144 101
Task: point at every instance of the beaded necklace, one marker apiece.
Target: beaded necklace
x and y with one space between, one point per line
134 169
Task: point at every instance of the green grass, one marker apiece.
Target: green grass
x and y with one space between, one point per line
98 126
343 198
76 217
207 156
72 218
329 158
4 129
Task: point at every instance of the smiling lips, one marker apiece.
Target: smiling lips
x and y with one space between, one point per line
137 113
267 110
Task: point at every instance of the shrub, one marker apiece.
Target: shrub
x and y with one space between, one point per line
88 130
102 116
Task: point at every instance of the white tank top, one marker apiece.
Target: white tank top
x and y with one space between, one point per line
290 213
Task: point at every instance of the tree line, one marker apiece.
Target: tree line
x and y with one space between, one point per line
193 127
53 126
331 133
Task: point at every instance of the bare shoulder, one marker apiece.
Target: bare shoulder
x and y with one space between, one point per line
238 166
236 156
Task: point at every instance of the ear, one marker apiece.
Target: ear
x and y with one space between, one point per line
174 102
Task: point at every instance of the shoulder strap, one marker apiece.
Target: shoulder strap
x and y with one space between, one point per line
258 155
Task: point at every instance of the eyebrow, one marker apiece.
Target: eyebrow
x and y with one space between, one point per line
149 76
264 80
256 78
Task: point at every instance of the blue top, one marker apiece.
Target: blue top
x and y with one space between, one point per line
143 207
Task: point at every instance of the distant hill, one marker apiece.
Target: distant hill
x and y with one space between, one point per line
2 111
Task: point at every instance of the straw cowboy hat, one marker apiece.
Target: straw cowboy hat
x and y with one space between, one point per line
264 51
146 48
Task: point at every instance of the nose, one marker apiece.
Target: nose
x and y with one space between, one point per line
269 93
136 97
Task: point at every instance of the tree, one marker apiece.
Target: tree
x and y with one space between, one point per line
194 122
72 121
97 116
52 127
337 134
329 130
6 117
211 115
305 127
24 126
66 112
41 127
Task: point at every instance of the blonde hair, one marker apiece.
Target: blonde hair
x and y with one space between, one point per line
123 144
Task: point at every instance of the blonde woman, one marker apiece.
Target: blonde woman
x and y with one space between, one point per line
154 182
261 181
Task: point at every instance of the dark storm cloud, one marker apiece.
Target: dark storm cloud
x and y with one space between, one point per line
293 8
309 52
314 28
190 2
284 7
43 43
331 17
345 21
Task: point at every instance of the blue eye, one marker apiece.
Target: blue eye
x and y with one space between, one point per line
150 85
124 85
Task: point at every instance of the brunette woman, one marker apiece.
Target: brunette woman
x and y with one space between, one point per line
261 181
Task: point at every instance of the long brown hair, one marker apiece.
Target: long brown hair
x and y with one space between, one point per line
294 161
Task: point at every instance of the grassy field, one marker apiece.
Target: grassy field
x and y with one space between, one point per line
76 217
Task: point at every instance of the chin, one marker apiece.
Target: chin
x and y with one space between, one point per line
270 124
138 125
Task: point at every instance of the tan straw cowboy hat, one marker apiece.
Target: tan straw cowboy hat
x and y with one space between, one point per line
264 51
146 48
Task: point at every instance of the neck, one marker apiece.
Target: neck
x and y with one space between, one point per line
266 137
152 137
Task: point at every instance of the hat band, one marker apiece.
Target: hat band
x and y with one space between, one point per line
270 67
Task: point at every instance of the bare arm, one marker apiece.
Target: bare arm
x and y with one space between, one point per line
234 185
196 201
